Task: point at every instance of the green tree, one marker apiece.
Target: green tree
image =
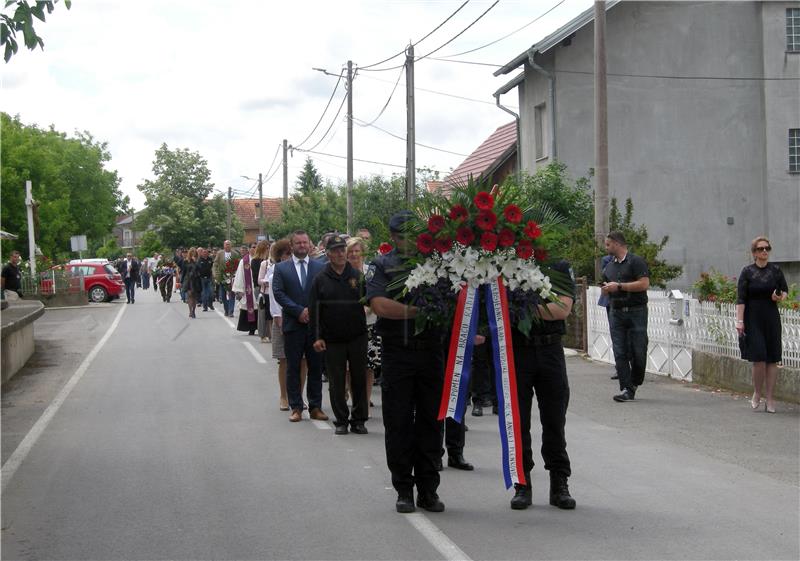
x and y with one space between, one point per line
149 244
110 249
309 179
177 202
22 20
639 243
75 193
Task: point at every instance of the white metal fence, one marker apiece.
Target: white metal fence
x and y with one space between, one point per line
708 327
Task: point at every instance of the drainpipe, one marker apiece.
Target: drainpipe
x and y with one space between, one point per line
519 143
551 90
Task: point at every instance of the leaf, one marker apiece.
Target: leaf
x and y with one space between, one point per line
11 49
9 3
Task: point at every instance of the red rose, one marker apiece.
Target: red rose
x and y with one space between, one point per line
442 244
506 238
489 241
513 214
425 243
484 201
540 255
458 213
532 230
435 223
465 235
486 220
524 249
385 248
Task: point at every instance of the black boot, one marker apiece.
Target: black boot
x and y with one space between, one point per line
523 498
559 492
405 502
457 461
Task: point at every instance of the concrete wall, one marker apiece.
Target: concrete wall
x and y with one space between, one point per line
736 375
690 153
16 336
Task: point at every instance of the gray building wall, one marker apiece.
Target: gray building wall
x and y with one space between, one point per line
693 154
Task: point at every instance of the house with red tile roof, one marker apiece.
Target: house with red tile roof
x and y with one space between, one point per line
247 211
496 157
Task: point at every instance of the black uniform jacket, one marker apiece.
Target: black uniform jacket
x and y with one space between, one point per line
336 313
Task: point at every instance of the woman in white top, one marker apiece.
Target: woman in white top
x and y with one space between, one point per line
356 250
281 250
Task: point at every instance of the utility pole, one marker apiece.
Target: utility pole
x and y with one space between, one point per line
285 172
411 180
31 232
601 209
230 196
260 207
349 147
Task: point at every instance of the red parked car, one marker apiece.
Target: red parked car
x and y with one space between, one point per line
101 281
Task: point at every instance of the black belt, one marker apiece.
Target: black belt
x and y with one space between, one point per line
538 340
628 308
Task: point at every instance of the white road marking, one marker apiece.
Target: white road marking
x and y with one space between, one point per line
223 316
24 448
322 425
436 537
259 359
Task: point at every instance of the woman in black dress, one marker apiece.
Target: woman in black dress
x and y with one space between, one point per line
761 285
191 282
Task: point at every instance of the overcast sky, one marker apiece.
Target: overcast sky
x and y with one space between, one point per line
232 79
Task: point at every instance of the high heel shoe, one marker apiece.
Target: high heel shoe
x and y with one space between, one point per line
755 403
768 409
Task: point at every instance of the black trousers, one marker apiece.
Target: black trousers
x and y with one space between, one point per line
298 344
482 384
337 357
542 370
411 384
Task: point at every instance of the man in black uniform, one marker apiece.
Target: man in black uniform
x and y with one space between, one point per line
412 378
626 280
541 369
338 327
205 266
12 277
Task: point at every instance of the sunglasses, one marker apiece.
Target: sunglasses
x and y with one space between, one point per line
764 248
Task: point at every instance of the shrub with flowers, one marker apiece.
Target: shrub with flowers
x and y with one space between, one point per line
471 239
713 286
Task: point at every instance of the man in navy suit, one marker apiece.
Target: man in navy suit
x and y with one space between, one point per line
291 286
129 269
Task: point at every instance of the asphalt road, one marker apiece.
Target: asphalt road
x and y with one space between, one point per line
170 445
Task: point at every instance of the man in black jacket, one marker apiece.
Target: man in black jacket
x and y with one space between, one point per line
205 265
339 329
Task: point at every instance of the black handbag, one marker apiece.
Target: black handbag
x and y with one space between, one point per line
743 345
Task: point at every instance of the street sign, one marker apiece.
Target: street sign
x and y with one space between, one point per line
78 243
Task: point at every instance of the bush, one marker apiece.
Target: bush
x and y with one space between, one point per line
713 286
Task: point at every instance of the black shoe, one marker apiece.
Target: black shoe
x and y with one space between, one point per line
477 410
359 429
341 429
615 377
457 461
430 502
211 307
559 492
405 502
626 395
523 497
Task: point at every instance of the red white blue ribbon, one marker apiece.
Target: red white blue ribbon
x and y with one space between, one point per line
459 357
506 383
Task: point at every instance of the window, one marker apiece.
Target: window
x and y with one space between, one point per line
538 130
793 30
794 150
126 238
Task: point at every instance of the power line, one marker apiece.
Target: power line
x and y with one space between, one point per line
385 105
467 62
331 126
275 157
333 93
665 77
367 161
534 20
476 20
438 92
434 30
397 136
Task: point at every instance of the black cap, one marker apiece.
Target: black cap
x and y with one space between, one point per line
336 242
398 219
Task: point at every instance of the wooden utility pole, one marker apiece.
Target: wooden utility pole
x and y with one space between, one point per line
411 179
349 147
230 196
601 209
285 172
260 207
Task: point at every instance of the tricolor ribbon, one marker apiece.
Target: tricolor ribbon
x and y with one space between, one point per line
506 383
459 357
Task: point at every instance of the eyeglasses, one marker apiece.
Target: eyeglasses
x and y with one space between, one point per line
767 248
